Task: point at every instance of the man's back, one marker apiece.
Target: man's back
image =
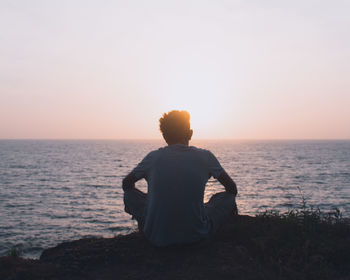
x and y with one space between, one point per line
176 177
173 212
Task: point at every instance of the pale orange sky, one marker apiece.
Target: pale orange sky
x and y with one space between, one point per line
109 69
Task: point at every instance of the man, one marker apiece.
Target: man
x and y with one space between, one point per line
172 212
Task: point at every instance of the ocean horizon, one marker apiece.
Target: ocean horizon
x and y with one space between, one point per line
55 190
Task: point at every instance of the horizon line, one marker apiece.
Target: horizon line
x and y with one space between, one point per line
198 139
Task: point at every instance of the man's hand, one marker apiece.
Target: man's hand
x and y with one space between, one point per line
129 181
228 183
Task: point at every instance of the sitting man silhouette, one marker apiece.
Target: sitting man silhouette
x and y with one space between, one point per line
173 212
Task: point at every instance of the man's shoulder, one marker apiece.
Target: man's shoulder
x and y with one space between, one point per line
200 150
202 153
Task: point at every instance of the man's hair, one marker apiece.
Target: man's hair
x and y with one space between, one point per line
175 126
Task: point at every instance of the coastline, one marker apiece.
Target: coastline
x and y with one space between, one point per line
296 245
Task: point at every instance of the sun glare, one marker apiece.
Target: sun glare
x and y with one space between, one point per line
203 114
198 90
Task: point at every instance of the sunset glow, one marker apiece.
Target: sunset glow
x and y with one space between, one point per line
244 70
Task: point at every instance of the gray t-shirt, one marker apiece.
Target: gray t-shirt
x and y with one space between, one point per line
176 177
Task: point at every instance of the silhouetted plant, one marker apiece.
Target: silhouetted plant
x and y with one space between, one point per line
14 252
304 239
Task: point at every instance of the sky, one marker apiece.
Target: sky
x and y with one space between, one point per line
108 69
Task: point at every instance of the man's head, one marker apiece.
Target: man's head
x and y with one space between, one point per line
175 127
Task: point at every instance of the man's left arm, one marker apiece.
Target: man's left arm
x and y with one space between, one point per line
228 183
220 174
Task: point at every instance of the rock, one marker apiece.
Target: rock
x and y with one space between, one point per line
232 254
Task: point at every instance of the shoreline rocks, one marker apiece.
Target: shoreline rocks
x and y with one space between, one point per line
263 247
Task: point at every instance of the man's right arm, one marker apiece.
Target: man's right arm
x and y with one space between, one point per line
228 183
139 172
129 181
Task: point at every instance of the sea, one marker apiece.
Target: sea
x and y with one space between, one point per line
53 191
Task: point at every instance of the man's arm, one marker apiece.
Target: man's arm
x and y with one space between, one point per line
129 181
228 183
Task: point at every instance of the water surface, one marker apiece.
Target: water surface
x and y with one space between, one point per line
53 191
